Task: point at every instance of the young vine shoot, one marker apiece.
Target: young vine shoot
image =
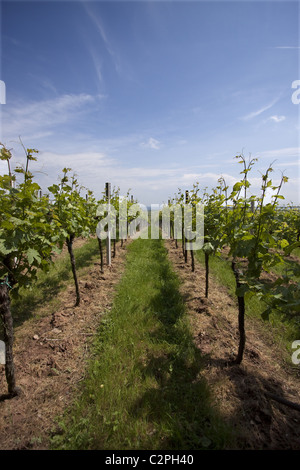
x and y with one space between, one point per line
253 232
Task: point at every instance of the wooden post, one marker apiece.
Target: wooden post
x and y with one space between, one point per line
185 250
171 223
108 240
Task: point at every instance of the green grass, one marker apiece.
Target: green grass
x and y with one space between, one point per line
286 268
142 389
296 252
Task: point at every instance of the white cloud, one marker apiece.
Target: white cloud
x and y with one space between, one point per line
288 152
151 144
287 47
101 30
276 118
259 111
151 184
38 117
286 164
92 169
83 162
97 63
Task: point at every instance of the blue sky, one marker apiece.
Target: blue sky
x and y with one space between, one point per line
152 96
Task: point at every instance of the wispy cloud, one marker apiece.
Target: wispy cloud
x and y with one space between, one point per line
287 152
97 64
40 117
97 21
80 162
111 43
94 168
287 47
259 111
44 82
276 118
287 164
151 144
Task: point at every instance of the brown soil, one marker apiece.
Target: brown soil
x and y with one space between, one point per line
52 352
51 355
240 391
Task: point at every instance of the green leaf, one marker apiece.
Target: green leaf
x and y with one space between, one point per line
237 186
4 249
32 255
284 243
5 154
208 248
54 188
266 314
290 248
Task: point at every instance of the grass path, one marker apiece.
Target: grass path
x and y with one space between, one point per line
142 390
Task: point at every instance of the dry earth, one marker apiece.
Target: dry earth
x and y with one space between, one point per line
51 355
240 391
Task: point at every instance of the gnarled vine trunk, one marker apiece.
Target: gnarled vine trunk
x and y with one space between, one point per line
7 320
206 255
241 318
101 251
193 260
69 242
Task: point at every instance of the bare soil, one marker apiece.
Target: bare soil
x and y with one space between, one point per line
51 353
241 391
